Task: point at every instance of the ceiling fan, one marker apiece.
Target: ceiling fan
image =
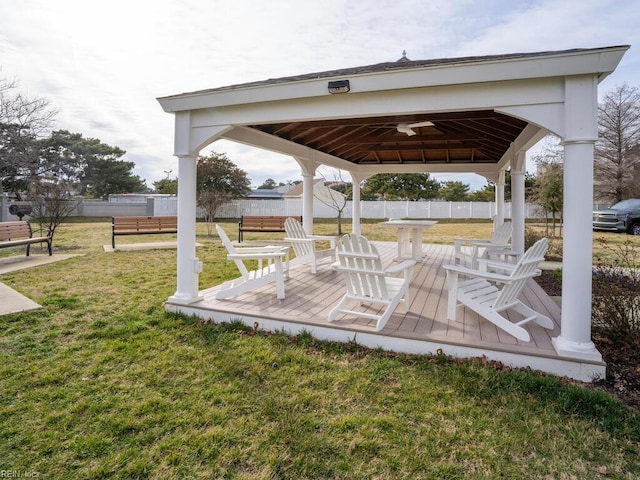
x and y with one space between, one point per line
408 127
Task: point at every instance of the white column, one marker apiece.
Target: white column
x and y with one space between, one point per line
307 203
188 264
355 215
581 133
499 198
575 331
308 168
517 201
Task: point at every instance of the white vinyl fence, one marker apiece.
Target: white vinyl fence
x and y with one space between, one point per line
368 209
168 205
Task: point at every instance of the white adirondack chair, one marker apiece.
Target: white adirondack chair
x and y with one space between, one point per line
480 293
304 246
368 283
273 266
469 250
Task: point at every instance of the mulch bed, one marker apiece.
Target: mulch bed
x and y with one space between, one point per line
622 357
549 283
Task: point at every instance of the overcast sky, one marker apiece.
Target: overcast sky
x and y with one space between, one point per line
102 64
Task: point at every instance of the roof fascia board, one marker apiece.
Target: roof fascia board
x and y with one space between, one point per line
596 61
447 98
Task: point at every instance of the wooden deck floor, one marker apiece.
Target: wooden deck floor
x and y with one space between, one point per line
309 298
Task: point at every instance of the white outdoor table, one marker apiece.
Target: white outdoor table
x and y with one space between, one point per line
404 227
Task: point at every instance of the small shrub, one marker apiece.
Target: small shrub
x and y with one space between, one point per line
531 236
616 293
555 248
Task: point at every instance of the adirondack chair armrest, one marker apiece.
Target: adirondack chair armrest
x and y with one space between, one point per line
506 252
486 264
470 272
460 240
323 237
485 244
492 276
255 256
265 249
329 238
400 267
300 240
498 266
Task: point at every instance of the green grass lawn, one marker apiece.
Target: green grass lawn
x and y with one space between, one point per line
102 383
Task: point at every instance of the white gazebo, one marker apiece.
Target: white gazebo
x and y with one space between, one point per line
473 114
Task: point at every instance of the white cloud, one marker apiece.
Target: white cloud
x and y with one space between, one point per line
102 64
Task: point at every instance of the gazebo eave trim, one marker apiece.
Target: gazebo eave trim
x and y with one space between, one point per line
483 69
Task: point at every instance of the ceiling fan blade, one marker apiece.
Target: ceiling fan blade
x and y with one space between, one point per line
421 124
408 127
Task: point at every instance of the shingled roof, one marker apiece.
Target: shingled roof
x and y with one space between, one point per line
369 126
401 64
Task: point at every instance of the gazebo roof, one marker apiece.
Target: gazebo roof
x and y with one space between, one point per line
469 111
401 64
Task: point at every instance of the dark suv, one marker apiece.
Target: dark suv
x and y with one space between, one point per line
624 216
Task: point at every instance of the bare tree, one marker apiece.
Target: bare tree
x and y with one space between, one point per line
617 153
51 203
333 198
549 193
548 186
22 121
210 201
35 115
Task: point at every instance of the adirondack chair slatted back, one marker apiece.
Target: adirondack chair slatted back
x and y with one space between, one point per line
502 234
294 229
522 272
231 249
362 268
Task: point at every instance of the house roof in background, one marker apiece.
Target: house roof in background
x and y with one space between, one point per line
265 193
296 190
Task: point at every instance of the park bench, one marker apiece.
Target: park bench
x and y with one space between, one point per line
142 226
13 234
259 223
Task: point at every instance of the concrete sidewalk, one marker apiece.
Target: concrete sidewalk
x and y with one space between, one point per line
20 262
12 301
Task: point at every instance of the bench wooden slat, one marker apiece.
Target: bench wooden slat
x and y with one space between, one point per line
17 233
142 226
262 223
